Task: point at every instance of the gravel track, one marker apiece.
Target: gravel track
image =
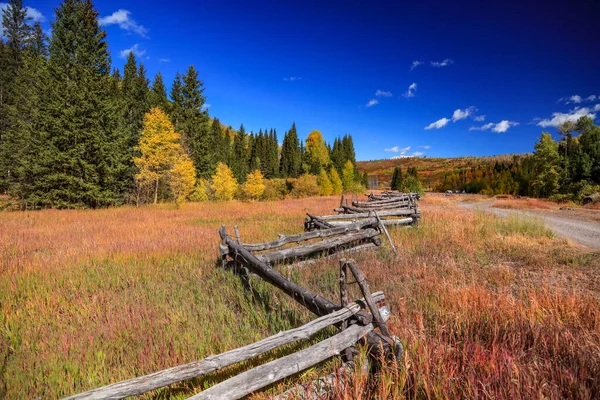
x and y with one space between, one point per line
586 233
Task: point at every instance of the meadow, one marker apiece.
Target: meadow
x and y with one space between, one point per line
486 307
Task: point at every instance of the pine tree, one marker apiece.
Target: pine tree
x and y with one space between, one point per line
74 166
221 140
291 154
365 179
239 155
397 179
193 122
158 94
16 31
338 158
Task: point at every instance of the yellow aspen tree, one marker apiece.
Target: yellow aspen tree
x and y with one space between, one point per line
336 182
254 186
159 147
224 183
348 175
182 178
200 192
324 183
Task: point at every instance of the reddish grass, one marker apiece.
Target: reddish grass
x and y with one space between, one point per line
485 307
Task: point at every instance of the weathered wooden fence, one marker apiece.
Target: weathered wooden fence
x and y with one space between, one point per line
360 321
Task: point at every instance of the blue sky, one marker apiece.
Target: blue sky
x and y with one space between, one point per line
490 77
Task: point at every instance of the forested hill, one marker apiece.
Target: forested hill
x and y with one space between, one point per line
432 172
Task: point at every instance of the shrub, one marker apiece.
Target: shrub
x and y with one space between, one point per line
275 189
305 186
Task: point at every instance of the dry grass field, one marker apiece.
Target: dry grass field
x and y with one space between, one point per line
486 307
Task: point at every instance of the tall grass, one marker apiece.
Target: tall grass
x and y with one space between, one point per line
486 307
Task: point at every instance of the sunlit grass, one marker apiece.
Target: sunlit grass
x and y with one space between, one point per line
486 307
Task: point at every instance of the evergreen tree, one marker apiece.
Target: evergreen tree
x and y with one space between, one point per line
365 179
221 141
158 94
338 158
546 160
193 122
397 179
291 154
74 167
239 156
348 150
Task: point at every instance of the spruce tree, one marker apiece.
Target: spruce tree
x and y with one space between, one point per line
221 140
238 161
192 122
73 167
158 94
291 154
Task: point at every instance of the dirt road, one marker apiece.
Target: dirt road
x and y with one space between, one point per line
586 233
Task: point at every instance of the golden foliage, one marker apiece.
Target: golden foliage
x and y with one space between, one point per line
324 183
316 148
224 183
182 178
348 175
254 186
336 182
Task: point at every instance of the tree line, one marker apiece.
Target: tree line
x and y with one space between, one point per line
76 133
563 169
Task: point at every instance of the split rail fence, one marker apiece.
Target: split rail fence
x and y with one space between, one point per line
360 321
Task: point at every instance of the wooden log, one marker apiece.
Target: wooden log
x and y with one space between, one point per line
143 384
301 237
379 202
386 222
386 233
365 214
271 372
312 261
388 206
293 253
315 303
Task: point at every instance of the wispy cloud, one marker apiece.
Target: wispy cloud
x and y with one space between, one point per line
381 93
462 114
500 127
411 91
398 149
372 102
479 118
292 78
440 123
426 147
125 22
415 64
164 60
135 49
444 63
559 118
576 99
206 106
418 154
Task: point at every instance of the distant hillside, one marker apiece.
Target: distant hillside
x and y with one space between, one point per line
431 171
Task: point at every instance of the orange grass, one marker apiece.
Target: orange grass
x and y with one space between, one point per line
485 307
527 203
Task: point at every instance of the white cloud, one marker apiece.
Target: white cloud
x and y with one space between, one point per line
35 15
415 64
292 78
372 102
500 127
398 157
440 123
503 126
164 60
426 147
417 154
411 91
462 114
444 63
398 149
381 93
479 118
576 99
482 128
123 19
206 106
559 118
135 49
